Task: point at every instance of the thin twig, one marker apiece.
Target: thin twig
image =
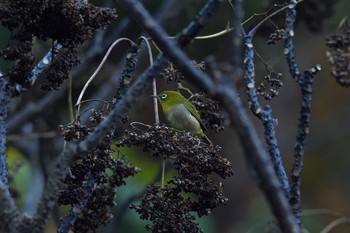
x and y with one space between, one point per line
335 223
214 35
154 84
307 212
253 30
70 100
155 104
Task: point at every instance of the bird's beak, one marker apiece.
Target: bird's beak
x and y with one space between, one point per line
154 96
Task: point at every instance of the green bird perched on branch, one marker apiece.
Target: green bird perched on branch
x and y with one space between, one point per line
181 114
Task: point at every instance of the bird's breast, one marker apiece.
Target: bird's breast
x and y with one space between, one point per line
180 118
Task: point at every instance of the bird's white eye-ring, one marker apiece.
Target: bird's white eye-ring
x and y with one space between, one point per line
163 96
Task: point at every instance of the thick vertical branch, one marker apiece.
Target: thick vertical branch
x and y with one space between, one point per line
288 42
4 100
303 130
258 159
272 145
305 83
249 77
264 114
9 213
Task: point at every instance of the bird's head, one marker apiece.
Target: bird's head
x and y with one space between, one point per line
169 99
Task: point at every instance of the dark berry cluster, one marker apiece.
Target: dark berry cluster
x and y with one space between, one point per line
168 211
75 131
99 167
172 74
338 54
107 174
209 111
278 34
196 162
67 22
269 88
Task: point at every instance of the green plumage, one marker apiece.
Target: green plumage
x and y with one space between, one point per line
180 113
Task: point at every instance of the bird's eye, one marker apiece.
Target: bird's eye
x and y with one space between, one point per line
163 96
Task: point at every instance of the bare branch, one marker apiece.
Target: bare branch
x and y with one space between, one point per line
4 100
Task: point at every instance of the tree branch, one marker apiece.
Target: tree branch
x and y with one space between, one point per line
303 130
305 83
9 212
288 42
4 100
265 115
76 210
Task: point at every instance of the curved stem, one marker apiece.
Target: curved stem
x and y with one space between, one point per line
251 32
154 84
335 223
78 104
155 104
70 100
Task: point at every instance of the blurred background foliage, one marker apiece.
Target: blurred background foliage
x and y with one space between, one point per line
325 182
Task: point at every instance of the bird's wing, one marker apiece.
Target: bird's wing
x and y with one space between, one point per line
195 113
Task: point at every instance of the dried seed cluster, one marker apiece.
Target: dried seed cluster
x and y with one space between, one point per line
278 34
196 162
209 111
66 21
338 54
172 74
75 131
106 172
169 212
269 88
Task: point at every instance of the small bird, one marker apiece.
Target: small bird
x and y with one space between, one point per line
180 113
